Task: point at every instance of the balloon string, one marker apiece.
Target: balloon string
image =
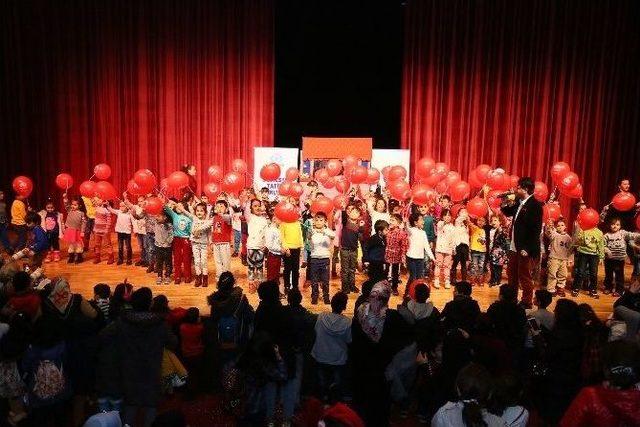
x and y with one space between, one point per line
91 177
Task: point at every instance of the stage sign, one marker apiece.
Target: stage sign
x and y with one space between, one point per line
285 157
382 157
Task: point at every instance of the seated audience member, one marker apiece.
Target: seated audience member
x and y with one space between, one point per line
627 308
506 400
25 299
508 318
462 312
615 402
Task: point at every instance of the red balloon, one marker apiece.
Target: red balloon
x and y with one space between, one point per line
385 173
232 182
215 174
400 190
212 190
424 166
321 175
459 191
495 179
292 174
322 204
359 174
134 188
373 176
477 207
22 185
153 205
455 209
513 181
164 183
342 185
551 211
397 172
284 189
494 200
588 219
541 192
558 170
441 168
64 181
340 201
506 183
239 166
296 190
473 179
88 188
422 194
433 180
334 167
270 172
623 201
286 212
350 161
102 171
177 180
442 187
482 172
329 182
575 193
145 179
568 181
452 178
105 190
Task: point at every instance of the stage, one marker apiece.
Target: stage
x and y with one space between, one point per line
84 276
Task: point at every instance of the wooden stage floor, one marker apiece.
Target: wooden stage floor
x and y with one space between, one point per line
84 276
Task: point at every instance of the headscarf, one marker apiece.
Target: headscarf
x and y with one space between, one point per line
60 296
373 312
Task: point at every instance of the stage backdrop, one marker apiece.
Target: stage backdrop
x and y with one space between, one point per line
146 83
522 84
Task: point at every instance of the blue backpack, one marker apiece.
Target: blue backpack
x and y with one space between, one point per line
230 330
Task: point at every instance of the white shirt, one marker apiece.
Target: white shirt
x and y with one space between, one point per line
256 229
515 416
450 415
139 225
512 246
123 221
418 244
445 237
376 216
321 242
273 242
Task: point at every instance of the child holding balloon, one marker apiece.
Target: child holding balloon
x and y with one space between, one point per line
590 245
102 230
616 241
257 224
74 228
445 241
181 246
51 223
560 252
123 228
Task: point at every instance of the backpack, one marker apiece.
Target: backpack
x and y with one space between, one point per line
230 329
47 381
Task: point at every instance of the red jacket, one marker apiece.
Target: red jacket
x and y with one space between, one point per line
603 407
191 339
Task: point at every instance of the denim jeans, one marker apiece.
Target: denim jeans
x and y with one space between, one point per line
124 242
416 269
631 318
586 271
476 268
329 375
143 252
237 238
150 248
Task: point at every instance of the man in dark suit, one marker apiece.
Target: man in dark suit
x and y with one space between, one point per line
524 253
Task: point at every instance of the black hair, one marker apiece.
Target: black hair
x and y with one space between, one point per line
474 384
226 282
102 290
463 288
32 218
397 217
21 281
264 189
321 215
141 299
422 293
527 184
613 219
445 212
544 298
377 200
445 197
339 302
621 361
199 205
223 202
268 291
508 292
192 315
160 304
560 220
380 225
294 298
567 316
506 393
413 219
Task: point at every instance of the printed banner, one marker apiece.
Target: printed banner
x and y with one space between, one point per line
382 157
285 157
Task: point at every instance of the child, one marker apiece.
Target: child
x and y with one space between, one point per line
333 335
460 245
417 250
200 235
478 247
256 227
352 228
3 221
191 344
221 237
181 246
375 249
102 231
124 227
590 245
101 298
36 247
396 249
498 250
615 249
274 249
148 222
163 238
445 231
444 204
138 221
51 222
90 211
378 211
560 251
18 225
237 233
74 229
291 237
321 242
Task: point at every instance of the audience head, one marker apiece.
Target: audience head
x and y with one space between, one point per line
102 291
294 298
508 293
567 315
381 226
367 285
122 292
32 219
226 282
474 385
422 292
587 315
268 291
339 302
507 391
192 315
21 281
141 299
160 304
416 220
462 288
621 360
395 220
543 298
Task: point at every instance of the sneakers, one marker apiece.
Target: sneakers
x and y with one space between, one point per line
120 262
96 259
447 286
177 281
606 291
167 281
159 281
594 294
436 285
615 294
129 262
150 268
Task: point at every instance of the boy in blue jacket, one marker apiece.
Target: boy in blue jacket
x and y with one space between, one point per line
36 247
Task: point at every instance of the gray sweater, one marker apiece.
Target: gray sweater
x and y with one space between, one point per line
163 234
333 333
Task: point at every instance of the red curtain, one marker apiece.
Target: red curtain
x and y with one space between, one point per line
522 84
135 84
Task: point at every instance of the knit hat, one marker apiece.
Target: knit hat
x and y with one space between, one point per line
343 414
